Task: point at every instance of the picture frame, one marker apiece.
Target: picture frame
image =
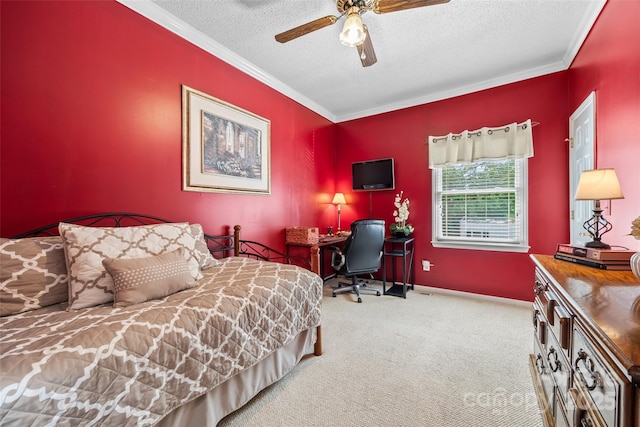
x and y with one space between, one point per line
225 149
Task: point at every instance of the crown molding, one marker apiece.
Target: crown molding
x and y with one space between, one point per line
160 16
457 91
584 30
573 49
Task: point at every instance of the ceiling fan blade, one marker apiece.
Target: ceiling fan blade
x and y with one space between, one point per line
365 50
296 32
386 6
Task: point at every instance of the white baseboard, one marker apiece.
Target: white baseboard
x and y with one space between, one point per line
431 290
422 289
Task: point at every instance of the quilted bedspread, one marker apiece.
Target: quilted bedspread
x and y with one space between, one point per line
131 366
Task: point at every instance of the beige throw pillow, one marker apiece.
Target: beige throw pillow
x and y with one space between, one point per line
33 274
86 247
142 279
205 259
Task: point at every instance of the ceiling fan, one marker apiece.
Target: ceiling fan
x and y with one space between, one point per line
355 33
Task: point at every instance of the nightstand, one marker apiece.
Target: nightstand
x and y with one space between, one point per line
398 249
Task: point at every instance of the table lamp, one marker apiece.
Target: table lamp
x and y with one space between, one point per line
598 184
339 199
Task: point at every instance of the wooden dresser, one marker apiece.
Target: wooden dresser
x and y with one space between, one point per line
586 358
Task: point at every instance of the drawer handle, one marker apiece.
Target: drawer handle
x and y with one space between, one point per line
535 319
555 364
540 364
538 288
586 422
589 367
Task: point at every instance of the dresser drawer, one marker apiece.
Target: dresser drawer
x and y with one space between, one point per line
580 411
557 316
539 324
597 380
560 414
561 327
541 283
544 373
559 367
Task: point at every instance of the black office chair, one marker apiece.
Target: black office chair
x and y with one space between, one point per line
361 254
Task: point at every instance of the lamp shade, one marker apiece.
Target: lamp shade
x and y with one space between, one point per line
599 184
353 31
339 199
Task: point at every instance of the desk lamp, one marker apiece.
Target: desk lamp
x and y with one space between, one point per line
598 184
339 199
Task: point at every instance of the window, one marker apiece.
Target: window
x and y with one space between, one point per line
481 205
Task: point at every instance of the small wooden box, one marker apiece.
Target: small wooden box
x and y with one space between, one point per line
302 235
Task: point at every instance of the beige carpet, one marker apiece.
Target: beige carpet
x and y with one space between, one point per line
429 360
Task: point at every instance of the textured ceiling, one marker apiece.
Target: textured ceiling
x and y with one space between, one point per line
424 54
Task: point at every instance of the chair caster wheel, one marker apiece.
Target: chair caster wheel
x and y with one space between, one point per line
333 295
359 299
377 294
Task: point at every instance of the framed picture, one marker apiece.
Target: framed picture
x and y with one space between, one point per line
224 148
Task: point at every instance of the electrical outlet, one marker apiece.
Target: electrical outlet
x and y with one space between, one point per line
426 265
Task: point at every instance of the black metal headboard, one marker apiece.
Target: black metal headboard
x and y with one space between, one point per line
220 246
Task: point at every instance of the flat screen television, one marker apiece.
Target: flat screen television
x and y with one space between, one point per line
373 175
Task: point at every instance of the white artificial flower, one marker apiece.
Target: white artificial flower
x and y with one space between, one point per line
401 214
635 228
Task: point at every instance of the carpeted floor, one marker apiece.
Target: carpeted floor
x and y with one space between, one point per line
430 360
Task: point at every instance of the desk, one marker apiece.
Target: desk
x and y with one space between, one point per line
316 253
398 247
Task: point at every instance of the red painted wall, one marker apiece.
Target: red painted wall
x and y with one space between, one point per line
609 64
91 122
402 135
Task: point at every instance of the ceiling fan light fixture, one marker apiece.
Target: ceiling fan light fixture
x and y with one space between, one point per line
353 31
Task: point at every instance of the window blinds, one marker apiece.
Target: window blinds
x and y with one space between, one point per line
481 201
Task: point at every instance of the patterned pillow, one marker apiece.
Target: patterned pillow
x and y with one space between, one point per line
33 274
86 247
205 259
142 279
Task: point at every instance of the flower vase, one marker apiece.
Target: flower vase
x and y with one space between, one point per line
400 234
635 264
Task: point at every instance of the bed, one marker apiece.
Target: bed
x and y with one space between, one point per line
190 356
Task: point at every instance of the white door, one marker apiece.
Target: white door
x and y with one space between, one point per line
582 134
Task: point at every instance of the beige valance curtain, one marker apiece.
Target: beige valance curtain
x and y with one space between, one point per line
514 140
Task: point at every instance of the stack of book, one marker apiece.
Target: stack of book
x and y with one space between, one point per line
605 259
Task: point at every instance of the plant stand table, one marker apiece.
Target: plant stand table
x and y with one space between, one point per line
398 249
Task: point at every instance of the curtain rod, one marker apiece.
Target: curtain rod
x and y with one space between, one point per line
478 133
